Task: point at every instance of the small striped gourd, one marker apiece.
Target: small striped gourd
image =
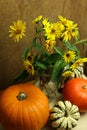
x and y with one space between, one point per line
64 115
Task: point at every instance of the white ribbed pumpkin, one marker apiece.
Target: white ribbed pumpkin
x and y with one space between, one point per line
64 115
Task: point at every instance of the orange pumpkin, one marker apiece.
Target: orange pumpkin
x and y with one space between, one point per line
24 107
75 90
0 95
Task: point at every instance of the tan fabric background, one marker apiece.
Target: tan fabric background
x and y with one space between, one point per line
27 10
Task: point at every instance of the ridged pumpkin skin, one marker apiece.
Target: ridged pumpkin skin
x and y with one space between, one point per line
31 113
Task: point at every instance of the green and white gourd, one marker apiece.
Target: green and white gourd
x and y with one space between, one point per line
64 115
78 72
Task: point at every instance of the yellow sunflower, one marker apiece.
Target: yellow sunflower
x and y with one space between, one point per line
36 20
29 57
67 73
17 30
62 19
77 63
46 23
49 45
50 32
70 31
59 27
69 56
29 67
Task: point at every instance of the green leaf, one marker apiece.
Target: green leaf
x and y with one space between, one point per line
37 45
56 69
39 30
41 65
25 53
70 46
52 58
34 40
83 41
58 50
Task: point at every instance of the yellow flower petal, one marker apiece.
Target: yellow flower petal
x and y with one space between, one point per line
17 30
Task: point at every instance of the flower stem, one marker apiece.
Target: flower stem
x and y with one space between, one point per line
81 41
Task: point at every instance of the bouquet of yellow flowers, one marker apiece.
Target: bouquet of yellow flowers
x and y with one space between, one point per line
53 54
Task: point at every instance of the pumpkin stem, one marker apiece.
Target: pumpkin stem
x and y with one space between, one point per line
21 96
84 87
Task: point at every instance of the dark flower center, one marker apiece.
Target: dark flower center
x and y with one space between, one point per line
30 67
18 31
53 31
68 55
29 58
